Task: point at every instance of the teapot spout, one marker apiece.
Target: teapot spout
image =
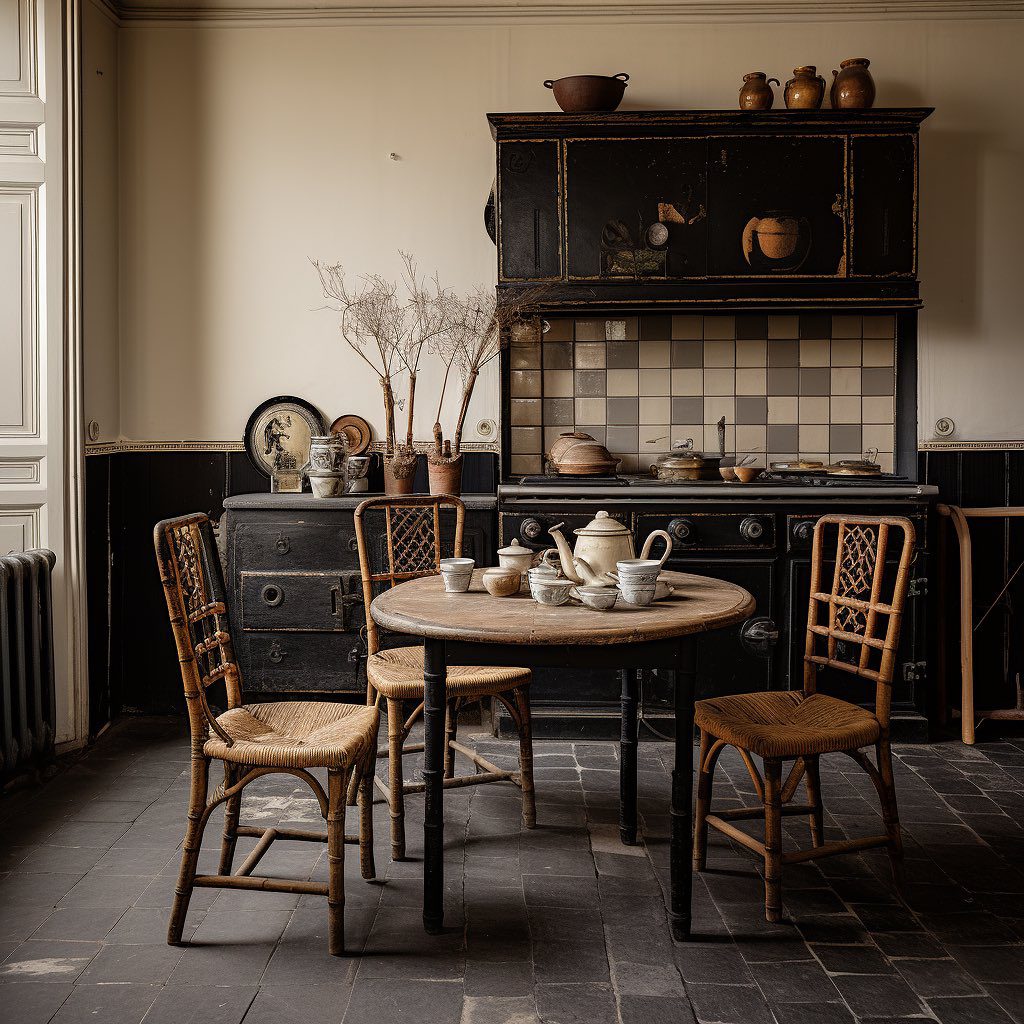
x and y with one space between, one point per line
590 578
564 553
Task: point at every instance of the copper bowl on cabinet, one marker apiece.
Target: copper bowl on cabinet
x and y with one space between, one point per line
584 94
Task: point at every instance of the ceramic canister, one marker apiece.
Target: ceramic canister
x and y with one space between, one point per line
329 453
457 574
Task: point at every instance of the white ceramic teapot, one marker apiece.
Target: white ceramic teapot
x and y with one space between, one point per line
599 545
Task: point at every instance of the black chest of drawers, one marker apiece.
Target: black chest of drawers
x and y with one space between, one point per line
297 612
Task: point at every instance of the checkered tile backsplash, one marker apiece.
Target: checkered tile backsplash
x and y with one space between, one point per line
816 386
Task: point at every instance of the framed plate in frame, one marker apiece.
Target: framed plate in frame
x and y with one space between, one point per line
278 433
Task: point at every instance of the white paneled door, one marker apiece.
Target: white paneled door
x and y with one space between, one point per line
39 437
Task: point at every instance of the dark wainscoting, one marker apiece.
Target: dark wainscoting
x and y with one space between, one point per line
982 479
132 662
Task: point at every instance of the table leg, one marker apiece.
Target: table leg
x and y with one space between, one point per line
434 677
627 758
682 792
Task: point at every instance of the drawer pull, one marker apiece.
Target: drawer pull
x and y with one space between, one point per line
275 654
353 544
272 595
282 544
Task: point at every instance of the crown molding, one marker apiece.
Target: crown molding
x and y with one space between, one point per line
511 11
970 446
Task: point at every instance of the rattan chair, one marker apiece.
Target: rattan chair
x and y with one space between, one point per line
254 740
860 637
408 546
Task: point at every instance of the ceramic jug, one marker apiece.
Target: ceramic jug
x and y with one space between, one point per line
806 89
853 88
756 92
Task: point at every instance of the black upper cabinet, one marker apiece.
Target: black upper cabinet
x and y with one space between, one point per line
705 209
529 218
884 191
777 206
636 208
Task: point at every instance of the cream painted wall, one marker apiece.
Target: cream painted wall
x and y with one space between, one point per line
100 220
245 150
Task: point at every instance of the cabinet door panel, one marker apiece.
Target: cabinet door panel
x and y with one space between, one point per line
529 230
636 208
884 185
776 206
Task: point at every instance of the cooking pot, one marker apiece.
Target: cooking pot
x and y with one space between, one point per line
581 94
579 454
868 466
686 464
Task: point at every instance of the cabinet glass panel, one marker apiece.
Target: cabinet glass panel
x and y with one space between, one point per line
636 208
776 206
883 231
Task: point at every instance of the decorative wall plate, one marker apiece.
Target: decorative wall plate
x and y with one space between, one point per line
356 429
278 433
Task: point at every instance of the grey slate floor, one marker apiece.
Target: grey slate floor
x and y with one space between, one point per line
561 924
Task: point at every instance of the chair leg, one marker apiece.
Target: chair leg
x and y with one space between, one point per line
366 866
890 810
816 818
396 798
232 810
190 848
336 806
521 698
451 733
705 784
773 840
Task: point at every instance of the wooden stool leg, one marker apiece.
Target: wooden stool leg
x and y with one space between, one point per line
521 698
705 784
367 868
190 848
232 809
396 797
336 805
773 840
890 809
451 732
816 818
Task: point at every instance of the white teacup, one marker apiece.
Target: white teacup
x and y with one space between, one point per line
634 593
457 574
599 598
550 589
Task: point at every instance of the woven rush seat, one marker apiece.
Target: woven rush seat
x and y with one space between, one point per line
295 734
398 674
787 724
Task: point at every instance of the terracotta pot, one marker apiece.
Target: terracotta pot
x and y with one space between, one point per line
777 236
756 92
399 472
581 94
806 89
445 475
853 88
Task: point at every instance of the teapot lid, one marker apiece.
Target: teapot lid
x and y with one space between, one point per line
602 525
515 548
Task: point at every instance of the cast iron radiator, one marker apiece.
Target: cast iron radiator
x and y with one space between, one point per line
27 697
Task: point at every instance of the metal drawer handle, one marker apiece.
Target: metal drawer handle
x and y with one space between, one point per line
283 545
275 654
272 595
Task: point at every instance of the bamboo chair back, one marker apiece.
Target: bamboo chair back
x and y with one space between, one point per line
863 610
412 535
193 585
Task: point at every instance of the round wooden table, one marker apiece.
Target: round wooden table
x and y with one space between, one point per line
477 629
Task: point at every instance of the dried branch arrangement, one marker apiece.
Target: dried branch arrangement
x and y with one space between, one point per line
388 324
477 326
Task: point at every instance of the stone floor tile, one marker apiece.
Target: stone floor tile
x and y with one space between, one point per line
841 959
48 960
85 923
317 1001
969 1010
384 1001
499 1010
507 979
119 964
17 923
201 1004
880 996
728 1004
800 982
931 978
44 890
33 1002
107 1004
654 1010
576 1003
812 1013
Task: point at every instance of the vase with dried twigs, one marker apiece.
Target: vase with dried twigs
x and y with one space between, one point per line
388 324
477 326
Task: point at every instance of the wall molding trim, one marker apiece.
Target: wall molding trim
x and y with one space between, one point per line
509 11
970 446
120 446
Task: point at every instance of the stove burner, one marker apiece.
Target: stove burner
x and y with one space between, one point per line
555 480
834 480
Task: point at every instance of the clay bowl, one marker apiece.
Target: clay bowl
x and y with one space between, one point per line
747 473
727 472
582 94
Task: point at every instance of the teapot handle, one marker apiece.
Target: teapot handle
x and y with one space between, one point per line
649 543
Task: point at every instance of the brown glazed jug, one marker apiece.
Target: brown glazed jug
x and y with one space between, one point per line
756 92
806 89
853 88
